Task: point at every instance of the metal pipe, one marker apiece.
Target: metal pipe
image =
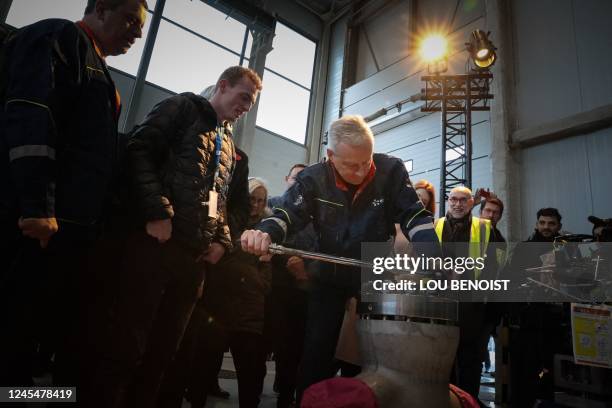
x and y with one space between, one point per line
281 250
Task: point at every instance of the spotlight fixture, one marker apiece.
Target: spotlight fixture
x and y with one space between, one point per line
481 49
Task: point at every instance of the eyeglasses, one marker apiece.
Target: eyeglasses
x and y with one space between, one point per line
455 200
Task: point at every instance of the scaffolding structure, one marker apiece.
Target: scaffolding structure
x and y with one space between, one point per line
456 97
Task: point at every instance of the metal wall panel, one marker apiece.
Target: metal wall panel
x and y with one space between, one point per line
334 73
594 42
272 157
420 142
389 36
366 63
599 152
557 175
124 84
151 96
548 85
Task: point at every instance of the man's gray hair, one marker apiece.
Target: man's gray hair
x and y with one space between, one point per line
351 130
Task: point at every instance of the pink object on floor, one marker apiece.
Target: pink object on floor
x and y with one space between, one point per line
339 392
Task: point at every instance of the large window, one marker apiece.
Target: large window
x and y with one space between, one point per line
287 81
24 12
194 44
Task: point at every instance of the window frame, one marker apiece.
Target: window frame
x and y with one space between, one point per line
310 91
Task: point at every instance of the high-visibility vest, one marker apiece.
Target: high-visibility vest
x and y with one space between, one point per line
478 246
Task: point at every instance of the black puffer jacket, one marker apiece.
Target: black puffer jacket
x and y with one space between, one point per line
170 163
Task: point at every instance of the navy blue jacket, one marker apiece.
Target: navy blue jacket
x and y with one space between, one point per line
58 131
342 225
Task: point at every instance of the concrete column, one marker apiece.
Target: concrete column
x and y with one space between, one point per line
505 162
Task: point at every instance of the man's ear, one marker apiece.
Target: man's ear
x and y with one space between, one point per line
330 154
222 85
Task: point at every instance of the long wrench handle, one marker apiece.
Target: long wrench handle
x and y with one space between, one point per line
281 250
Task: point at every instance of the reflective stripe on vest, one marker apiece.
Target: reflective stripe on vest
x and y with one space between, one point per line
478 247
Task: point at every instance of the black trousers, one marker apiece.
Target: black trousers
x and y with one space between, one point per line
473 338
248 352
286 309
156 291
178 375
45 298
196 365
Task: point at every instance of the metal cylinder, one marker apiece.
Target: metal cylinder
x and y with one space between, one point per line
407 356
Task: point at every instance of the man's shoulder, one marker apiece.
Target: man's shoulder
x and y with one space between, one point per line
47 27
383 159
198 105
313 172
389 167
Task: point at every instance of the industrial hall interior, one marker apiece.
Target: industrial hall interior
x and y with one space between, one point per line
306 203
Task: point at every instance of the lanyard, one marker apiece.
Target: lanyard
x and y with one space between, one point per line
218 145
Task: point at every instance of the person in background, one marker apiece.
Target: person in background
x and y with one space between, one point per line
492 209
427 193
538 330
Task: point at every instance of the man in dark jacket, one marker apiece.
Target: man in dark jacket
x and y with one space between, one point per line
183 371
180 161
537 329
354 197
58 143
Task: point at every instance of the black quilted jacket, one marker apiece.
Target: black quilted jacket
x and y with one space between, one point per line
170 166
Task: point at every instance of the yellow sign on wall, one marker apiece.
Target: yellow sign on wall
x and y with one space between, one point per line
592 334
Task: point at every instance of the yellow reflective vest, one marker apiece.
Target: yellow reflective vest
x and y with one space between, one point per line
478 246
